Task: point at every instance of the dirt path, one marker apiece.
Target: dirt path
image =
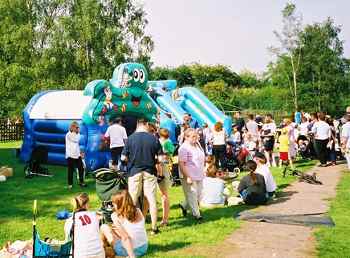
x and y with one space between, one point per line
260 240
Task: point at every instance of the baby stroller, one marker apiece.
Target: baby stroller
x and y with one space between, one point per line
45 249
33 167
108 182
235 157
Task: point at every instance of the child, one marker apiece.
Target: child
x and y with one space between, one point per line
250 143
236 136
213 189
165 183
209 163
128 234
86 233
264 170
230 160
284 147
252 187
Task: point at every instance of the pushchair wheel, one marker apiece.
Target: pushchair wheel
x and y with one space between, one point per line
27 172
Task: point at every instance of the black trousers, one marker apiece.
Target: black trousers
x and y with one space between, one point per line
219 154
321 150
115 154
72 164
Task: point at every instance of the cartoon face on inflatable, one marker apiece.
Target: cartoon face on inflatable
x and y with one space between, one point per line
124 94
130 75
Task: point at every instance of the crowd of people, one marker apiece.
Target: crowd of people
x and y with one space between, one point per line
204 156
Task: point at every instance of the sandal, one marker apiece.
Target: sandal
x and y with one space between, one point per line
164 223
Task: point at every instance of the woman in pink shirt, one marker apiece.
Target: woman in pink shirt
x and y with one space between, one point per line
191 164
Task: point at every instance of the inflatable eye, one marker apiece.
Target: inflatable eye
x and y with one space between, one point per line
142 76
136 75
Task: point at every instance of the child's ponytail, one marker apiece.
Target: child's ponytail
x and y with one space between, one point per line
251 165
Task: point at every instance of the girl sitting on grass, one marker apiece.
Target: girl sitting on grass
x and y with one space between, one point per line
86 233
128 234
252 187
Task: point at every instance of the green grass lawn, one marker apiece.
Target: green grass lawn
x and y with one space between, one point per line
335 242
17 195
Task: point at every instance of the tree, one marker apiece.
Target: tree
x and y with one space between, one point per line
290 45
249 79
324 67
202 74
56 44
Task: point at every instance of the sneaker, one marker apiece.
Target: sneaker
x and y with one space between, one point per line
155 231
199 219
83 185
69 187
184 211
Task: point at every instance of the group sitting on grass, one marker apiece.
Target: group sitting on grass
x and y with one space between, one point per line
126 236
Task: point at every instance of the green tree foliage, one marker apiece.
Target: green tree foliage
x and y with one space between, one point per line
197 74
323 72
234 98
250 79
59 44
324 68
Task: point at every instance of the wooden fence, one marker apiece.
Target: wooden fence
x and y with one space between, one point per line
11 132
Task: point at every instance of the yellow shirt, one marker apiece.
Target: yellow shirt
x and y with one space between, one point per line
284 143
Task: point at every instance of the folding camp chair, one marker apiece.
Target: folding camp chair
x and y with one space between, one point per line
43 249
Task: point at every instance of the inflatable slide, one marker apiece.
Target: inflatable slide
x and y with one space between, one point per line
48 114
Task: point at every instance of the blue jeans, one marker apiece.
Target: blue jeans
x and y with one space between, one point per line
120 250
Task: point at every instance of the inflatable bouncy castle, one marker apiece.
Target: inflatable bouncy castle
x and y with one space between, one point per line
48 114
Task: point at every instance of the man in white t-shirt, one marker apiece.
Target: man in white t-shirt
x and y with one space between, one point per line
345 139
117 136
252 127
322 133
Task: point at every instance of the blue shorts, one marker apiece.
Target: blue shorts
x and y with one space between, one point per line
120 250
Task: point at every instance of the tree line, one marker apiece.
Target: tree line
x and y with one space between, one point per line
64 44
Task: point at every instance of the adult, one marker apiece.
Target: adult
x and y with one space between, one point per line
116 134
188 119
74 155
252 187
191 164
322 134
332 154
252 127
268 138
141 153
238 120
86 232
128 234
208 136
219 144
303 129
345 139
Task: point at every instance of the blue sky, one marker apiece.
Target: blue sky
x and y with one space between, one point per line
231 32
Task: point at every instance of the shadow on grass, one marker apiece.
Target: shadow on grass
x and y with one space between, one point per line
210 215
156 248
